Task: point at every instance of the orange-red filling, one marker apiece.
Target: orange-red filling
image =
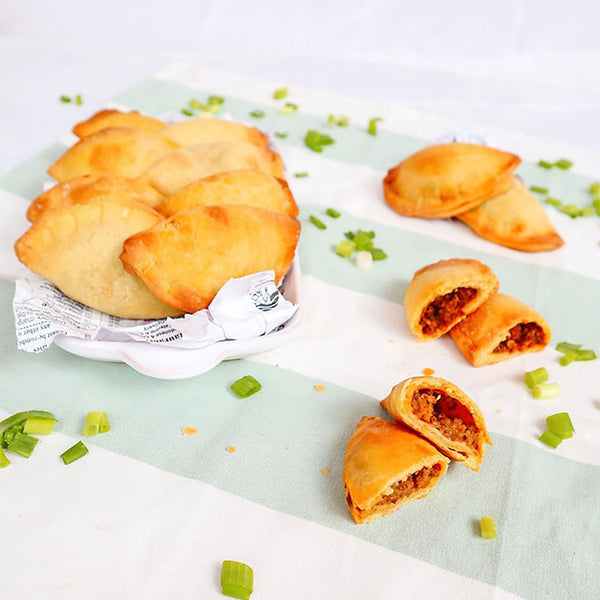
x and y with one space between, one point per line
522 337
445 310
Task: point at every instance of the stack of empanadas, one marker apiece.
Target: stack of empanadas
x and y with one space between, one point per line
477 185
149 220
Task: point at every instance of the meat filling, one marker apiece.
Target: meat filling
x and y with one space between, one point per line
446 414
521 337
407 487
444 310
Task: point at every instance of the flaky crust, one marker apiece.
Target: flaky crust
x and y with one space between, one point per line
77 248
242 186
439 279
399 405
483 330
514 219
188 257
116 118
448 179
186 165
378 454
115 150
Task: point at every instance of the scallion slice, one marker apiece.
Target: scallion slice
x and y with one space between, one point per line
4 462
545 391
378 254
535 377
345 248
570 209
560 425
553 201
78 100
23 444
538 189
585 355
488 527
315 140
288 107
545 164
567 358
281 134
594 188
246 386
372 127
65 99
280 93
39 425
96 422
216 100
301 175
317 222
363 240
550 439
563 163
364 260
75 452
187 112
334 214
341 121
567 347
237 579
257 114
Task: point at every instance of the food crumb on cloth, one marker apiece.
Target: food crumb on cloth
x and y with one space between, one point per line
427 371
319 388
189 430
230 449
325 470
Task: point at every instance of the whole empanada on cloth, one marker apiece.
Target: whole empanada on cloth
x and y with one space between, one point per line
514 219
386 466
187 258
116 118
502 327
115 151
90 188
77 248
443 414
441 294
242 186
204 131
186 165
448 179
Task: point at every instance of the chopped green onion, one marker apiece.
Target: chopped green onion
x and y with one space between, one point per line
535 377
65 99
372 127
345 248
257 114
300 175
237 579
567 358
550 439
586 211
246 386
560 425
288 107
96 422
563 163
334 214
544 391
341 121
545 164
596 205
280 93
315 140
315 221
186 112
23 444
78 100
574 352
553 201
594 188
281 134
539 190
75 452
364 260
196 104
378 254
567 347
4 462
216 100
39 425
585 355
363 240
488 528
570 209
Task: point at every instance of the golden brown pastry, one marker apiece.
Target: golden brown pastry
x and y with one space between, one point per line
187 258
443 414
242 186
116 118
77 248
89 188
115 150
204 131
387 466
502 327
442 294
448 179
514 219
186 165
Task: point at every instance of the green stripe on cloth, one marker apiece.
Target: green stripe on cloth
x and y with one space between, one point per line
285 434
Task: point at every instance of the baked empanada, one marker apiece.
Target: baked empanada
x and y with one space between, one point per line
204 131
187 258
440 295
116 118
387 466
448 179
186 165
502 327
443 414
514 219
115 150
90 188
77 248
242 186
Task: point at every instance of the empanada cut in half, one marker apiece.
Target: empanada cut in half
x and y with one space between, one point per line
502 327
186 165
442 294
443 414
387 466
90 188
77 248
204 131
116 118
514 219
186 259
115 150
448 179
242 186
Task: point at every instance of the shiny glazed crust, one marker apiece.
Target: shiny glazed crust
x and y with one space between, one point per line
378 454
442 278
399 405
448 179
480 333
116 118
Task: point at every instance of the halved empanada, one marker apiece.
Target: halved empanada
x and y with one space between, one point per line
242 186
187 258
443 414
77 248
90 188
204 131
116 118
115 150
442 294
387 466
186 165
514 219
448 179
502 327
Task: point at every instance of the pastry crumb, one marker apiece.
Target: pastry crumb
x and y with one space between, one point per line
499 411
230 449
390 341
427 371
289 448
189 430
325 470
319 388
